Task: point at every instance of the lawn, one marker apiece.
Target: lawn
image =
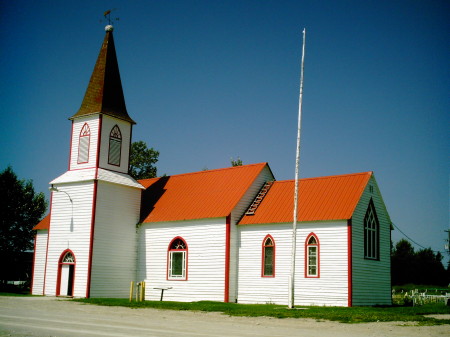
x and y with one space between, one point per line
340 314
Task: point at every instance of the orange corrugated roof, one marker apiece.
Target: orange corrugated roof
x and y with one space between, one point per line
324 198
204 194
44 223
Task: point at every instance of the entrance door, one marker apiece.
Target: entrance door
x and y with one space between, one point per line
66 274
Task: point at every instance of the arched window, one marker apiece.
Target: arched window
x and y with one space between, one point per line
371 233
83 144
115 146
68 258
66 274
177 260
268 257
312 266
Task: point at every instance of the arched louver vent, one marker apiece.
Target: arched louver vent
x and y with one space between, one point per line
115 146
83 145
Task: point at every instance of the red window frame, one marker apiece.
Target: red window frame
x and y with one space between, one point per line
263 256
84 133
170 250
307 246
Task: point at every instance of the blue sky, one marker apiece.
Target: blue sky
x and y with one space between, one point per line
211 80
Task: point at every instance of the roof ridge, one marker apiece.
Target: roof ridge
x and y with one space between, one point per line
209 171
327 177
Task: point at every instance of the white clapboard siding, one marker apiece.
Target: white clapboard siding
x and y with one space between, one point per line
331 288
114 252
371 279
93 122
40 252
70 230
108 123
236 214
205 239
252 288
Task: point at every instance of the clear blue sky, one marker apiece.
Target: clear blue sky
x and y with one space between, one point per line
210 80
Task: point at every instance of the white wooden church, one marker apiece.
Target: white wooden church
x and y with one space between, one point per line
218 235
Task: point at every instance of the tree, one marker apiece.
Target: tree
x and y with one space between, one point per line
421 267
402 263
21 210
142 160
237 162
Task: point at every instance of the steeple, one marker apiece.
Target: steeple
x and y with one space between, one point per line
104 94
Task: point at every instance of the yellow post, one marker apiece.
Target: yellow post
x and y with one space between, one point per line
143 293
131 290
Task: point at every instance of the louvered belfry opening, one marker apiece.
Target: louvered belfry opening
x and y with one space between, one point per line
259 198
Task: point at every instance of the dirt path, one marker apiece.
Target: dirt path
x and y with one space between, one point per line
43 316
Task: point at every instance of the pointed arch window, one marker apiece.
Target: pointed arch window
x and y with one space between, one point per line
268 257
177 260
115 146
371 233
312 265
83 145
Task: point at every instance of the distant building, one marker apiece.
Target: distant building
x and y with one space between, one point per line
219 235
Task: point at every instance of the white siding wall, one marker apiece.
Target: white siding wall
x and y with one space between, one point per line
371 279
330 289
206 259
236 214
114 254
125 129
40 252
93 122
70 230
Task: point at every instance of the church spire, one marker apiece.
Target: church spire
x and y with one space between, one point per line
104 93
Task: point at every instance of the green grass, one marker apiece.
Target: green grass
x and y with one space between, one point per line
340 314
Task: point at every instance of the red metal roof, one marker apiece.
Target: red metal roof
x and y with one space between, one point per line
44 223
204 194
323 198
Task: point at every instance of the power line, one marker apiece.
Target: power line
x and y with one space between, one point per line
418 244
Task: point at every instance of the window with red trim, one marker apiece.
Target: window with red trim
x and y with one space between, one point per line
177 260
312 256
83 144
268 257
115 146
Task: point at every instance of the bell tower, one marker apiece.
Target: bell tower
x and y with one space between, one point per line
91 248
101 132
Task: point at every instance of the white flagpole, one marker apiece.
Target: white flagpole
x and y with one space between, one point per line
297 165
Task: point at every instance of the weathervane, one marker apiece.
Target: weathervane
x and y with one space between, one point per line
107 16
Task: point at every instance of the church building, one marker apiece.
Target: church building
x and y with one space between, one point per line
217 235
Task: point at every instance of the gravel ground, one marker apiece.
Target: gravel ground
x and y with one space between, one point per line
48 316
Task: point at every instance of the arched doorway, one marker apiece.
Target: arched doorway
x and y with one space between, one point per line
66 274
